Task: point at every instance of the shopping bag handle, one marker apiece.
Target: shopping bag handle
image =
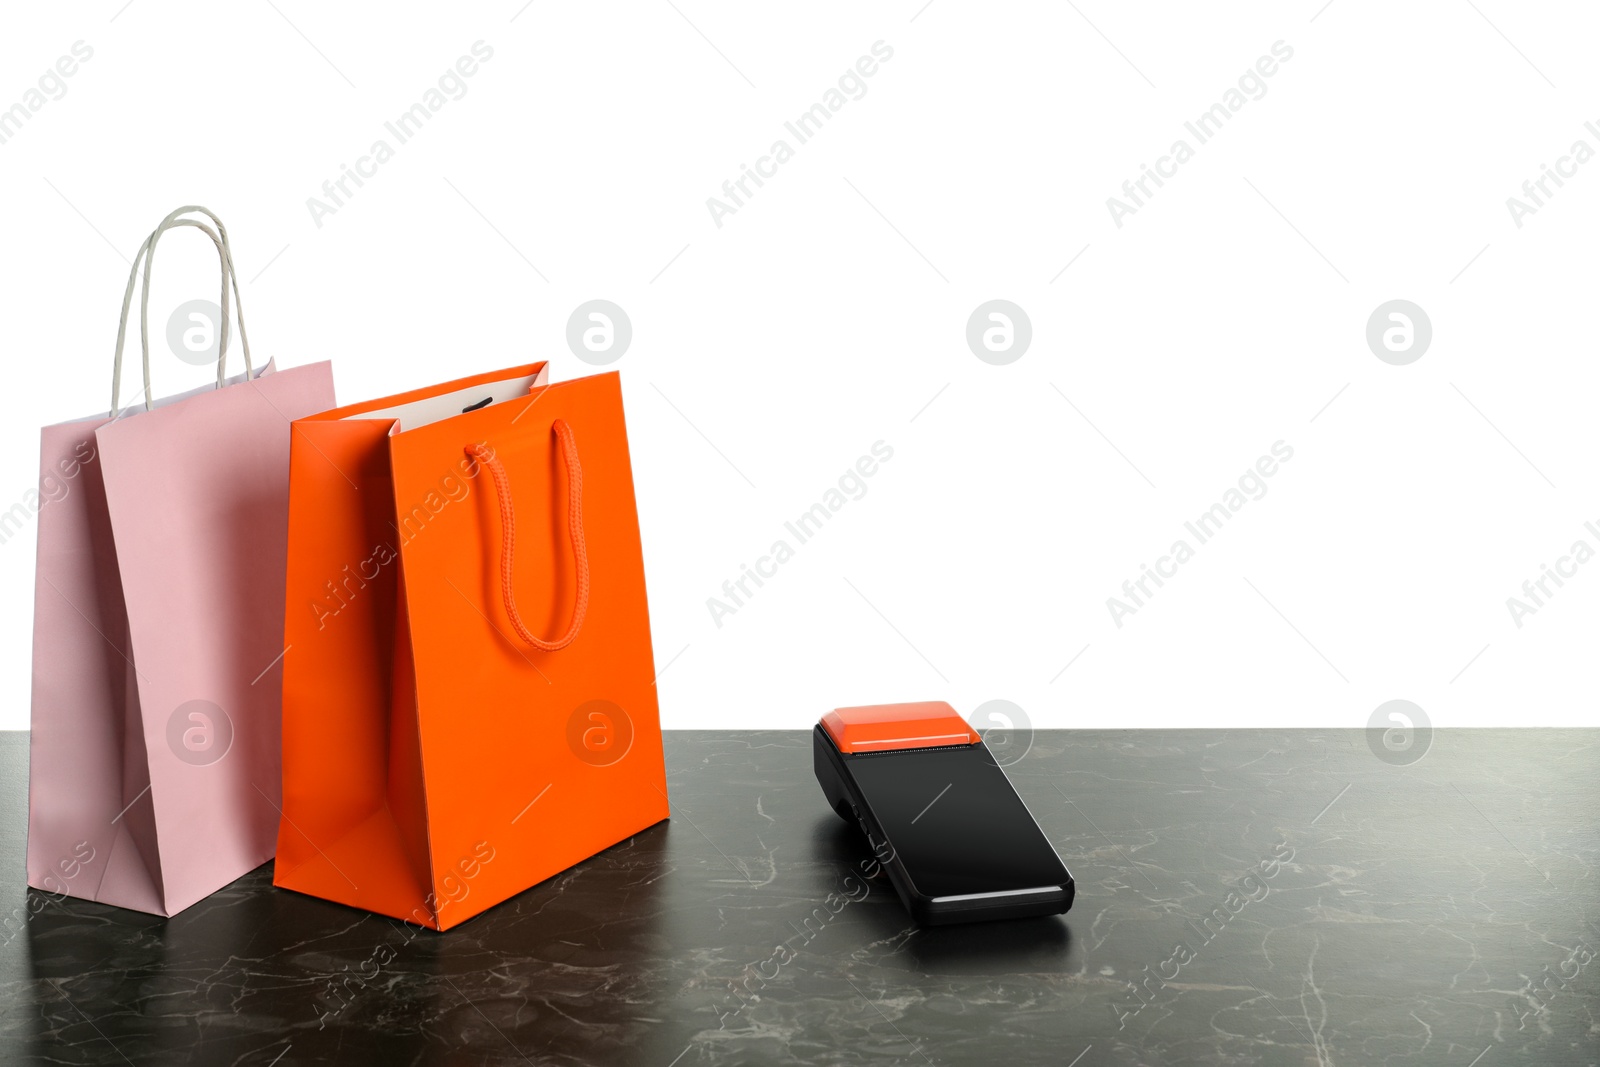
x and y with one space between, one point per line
508 528
146 253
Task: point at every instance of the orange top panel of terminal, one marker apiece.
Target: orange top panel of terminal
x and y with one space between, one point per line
886 727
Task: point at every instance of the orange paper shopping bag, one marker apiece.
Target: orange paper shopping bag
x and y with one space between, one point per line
468 688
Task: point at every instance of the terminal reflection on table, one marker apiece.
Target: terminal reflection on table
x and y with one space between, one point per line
957 841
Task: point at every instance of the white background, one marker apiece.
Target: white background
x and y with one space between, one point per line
830 312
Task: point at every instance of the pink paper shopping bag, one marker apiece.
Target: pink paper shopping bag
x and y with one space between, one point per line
158 622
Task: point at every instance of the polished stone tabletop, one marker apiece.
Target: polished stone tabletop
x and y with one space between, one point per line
1271 897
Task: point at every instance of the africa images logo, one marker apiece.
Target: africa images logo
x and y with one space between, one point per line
199 732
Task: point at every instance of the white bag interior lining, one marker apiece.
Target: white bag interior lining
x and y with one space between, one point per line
437 408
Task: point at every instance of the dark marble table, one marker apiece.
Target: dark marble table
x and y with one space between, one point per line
1273 897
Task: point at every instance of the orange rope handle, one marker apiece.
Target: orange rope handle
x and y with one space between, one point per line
508 526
